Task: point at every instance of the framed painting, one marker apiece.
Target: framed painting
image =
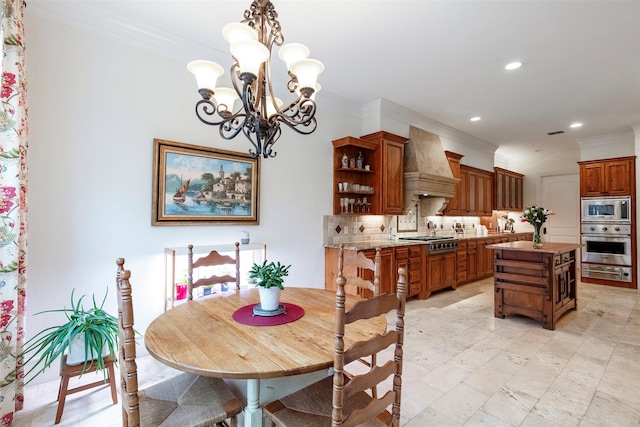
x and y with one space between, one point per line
195 185
408 222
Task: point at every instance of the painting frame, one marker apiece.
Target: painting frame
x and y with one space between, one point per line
226 189
408 222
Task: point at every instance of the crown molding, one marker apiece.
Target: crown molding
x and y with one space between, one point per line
626 136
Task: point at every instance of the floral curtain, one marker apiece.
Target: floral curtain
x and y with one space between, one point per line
13 208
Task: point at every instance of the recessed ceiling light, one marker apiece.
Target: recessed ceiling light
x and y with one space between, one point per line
575 125
475 119
513 65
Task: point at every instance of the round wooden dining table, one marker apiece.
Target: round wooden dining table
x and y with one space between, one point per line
201 337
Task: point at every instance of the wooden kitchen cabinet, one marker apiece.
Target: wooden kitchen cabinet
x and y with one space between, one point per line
476 192
484 188
472 261
377 191
461 262
607 177
441 272
453 208
466 199
390 179
507 189
417 278
484 256
410 258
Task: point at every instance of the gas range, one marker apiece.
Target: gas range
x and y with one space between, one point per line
436 244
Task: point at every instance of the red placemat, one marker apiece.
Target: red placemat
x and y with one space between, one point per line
245 316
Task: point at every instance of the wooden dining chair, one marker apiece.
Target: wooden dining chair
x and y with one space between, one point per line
338 400
357 265
212 259
183 400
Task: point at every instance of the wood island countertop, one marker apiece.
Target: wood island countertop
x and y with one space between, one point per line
547 247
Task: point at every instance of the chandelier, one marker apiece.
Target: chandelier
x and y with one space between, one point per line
261 114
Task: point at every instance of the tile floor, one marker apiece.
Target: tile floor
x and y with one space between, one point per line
464 367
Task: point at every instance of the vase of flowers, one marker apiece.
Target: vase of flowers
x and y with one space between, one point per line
536 216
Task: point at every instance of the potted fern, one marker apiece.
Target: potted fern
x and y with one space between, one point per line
268 277
87 336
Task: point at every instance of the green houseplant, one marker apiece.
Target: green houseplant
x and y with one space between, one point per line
268 277
97 328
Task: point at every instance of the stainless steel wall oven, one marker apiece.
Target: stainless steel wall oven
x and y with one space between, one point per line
606 251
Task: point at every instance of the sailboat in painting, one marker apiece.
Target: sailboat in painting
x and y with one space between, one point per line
179 197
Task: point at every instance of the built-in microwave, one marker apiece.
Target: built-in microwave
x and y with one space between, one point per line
606 209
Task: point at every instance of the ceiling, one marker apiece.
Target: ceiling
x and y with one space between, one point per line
442 59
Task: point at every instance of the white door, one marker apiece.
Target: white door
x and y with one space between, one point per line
561 194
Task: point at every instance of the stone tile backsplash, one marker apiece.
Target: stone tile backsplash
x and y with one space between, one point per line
362 228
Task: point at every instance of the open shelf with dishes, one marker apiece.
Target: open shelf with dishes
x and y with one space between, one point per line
367 174
354 176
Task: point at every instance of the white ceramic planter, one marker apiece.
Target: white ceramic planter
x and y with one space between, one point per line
269 298
76 351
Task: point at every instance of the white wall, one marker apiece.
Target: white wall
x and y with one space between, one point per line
95 106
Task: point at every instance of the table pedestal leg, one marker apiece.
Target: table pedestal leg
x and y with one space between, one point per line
253 411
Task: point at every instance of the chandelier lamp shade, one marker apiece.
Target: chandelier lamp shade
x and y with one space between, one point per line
261 114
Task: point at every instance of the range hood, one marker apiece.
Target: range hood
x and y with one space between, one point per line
428 181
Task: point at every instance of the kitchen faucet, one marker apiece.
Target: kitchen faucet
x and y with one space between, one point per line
431 226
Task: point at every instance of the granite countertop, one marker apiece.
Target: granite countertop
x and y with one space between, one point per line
390 243
372 244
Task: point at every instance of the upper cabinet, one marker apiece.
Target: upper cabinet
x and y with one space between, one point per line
453 208
507 190
474 192
368 174
607 177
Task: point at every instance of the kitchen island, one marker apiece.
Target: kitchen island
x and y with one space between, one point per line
538 283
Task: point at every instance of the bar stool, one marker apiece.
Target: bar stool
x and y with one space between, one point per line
69 371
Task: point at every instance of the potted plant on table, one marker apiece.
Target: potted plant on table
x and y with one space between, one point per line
268 277
88 336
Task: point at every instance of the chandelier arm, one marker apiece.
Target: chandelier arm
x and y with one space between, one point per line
299 112
232 126
208 108
305 128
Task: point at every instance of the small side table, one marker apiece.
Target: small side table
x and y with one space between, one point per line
69 371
